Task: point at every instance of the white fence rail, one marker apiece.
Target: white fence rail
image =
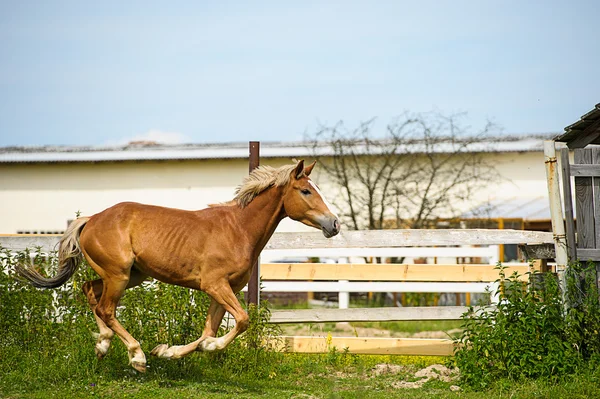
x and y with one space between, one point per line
346 239
407 238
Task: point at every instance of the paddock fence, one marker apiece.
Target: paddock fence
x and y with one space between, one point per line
351 277
346 277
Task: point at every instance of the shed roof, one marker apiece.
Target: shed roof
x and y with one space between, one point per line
517 207
583 132
150 151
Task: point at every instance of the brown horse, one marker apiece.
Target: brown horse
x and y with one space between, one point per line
212 250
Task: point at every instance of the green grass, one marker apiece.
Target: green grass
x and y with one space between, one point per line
296 376
45 356
59 363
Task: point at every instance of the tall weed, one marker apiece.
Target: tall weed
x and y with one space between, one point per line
530 333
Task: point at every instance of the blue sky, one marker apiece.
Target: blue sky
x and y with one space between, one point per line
81 73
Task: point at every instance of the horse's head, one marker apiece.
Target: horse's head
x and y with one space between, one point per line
303 202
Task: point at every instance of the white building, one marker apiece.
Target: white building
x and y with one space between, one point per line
41 188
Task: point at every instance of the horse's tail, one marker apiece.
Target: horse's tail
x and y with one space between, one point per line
69 258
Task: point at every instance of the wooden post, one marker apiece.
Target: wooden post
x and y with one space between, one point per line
563 163
556 214
253 284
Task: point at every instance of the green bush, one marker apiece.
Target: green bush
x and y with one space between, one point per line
530 333
48 334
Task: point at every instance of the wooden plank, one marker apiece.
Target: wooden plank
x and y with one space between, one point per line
568 201
596 196
585 254
407 238
369 314
540 251
490 252
539 266
349 239
584 203
596 199
369 346
583 170
374 286
385 272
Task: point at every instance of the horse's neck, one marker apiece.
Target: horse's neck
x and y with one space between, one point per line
262 215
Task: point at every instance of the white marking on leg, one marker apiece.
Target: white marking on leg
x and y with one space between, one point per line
213 344
159 350
209 344
139 358
173 352
103 346
221 343
327 204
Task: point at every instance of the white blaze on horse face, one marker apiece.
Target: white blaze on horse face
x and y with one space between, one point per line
327 204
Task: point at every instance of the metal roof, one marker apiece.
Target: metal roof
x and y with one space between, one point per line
537 208
150 151
583 132
136 153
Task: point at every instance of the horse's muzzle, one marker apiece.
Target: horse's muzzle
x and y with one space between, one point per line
330 227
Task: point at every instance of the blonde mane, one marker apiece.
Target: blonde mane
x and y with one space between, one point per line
261 179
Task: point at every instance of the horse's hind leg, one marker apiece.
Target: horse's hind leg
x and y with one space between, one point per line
93 292
113 288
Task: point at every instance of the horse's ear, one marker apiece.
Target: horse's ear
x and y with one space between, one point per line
299 171
309 168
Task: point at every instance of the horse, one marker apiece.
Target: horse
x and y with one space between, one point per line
213 250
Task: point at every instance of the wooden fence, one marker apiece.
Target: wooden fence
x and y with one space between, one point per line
384 277
388 278
346 277
586 173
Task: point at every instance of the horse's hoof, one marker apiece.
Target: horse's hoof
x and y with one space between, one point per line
159 350
141 367
102 348
99 354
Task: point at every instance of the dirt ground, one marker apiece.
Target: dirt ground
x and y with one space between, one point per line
433 372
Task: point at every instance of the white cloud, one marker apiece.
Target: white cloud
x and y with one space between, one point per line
154 135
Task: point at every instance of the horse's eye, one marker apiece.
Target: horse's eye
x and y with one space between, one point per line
305 191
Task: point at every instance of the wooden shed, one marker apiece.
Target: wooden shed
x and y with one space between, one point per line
581 240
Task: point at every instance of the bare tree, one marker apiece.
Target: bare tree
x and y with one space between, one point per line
424 167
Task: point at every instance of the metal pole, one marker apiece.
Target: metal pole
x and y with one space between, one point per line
253 284
556 214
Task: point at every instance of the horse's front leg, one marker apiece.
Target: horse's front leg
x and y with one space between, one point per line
213 320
